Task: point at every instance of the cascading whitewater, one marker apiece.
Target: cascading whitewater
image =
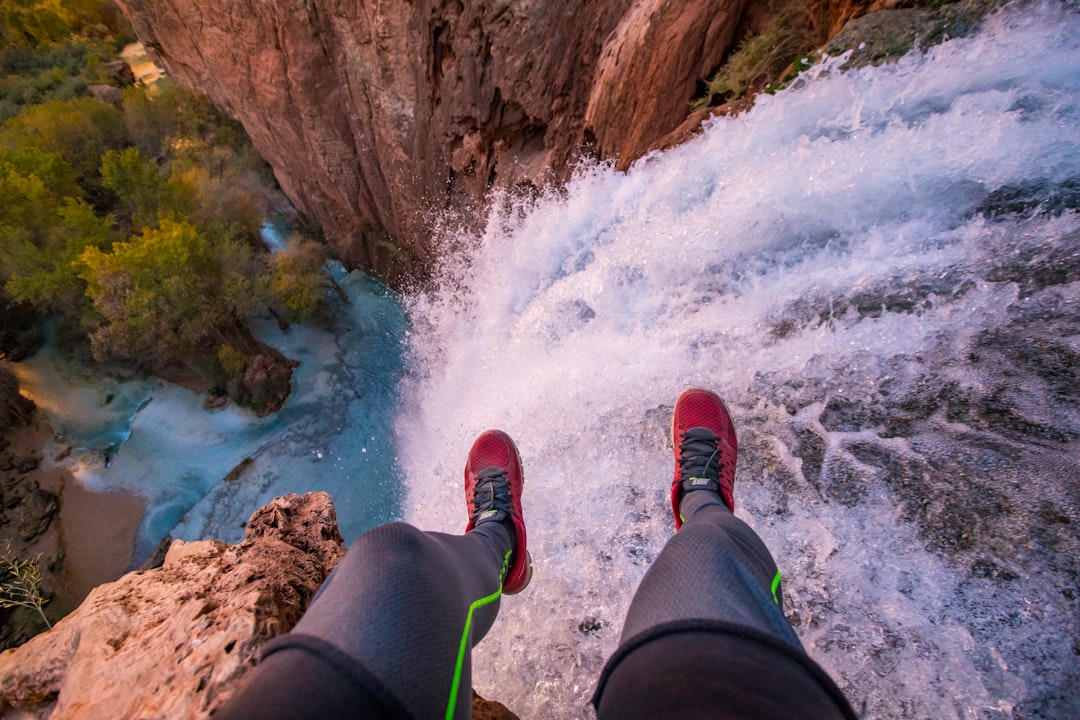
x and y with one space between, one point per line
880 270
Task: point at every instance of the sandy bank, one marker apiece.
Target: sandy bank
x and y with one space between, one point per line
90 539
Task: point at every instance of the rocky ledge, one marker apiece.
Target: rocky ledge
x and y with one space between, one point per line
179 640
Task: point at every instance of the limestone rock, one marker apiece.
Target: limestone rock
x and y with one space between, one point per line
176 641
489 709
179 640
890 32
107 94
36 512
377 117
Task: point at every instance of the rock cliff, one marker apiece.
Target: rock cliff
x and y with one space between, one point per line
378 116
179 640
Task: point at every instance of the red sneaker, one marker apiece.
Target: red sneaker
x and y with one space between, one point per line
705 447
493 482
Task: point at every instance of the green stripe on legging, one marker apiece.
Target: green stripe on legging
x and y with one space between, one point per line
775 586
463 648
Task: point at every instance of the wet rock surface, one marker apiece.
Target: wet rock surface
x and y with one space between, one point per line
886 35
974 443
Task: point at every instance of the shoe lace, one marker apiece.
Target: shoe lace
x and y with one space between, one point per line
700 453
491 492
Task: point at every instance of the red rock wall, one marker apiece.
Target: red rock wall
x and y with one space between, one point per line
377 115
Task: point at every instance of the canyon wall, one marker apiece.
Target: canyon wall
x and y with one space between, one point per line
378 117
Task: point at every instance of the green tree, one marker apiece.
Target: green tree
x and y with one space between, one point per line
44 229
32 24
222 205
149 119
171 295
47 270
80 131
298 281
137 182
55 172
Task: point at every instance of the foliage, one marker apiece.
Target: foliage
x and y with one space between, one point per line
169 294
44 228
78 130
20 583
762 58
34 23
55 50
233 361
137 183
46 270
29 77
298 279
136 226
55 172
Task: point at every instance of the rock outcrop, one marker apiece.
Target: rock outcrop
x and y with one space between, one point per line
179 640
378 116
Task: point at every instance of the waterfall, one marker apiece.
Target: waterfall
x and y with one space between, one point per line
880 271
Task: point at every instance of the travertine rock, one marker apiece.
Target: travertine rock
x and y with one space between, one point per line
178 641
175 642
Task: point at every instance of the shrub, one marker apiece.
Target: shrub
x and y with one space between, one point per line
79 131
298 280
44 229
20 583
170 295
762 58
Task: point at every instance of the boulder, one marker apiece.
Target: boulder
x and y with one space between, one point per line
179 640
36 512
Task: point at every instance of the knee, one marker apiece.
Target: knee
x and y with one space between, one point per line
397 558
393 545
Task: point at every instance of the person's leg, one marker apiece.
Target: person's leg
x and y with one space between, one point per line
714 568
408 606
705 635
391 630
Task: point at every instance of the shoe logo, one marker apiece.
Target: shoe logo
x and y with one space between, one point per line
699 482
488 513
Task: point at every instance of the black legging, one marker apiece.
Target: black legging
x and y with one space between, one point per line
390 633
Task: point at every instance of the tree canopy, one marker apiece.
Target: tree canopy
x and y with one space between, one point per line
135 224
33 23
170 292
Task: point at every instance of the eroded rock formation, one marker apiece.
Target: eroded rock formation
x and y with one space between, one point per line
176 641
179 640
376 117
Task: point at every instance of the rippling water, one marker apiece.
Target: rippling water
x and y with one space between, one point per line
879 270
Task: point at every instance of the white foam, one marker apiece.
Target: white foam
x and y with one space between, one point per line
573 325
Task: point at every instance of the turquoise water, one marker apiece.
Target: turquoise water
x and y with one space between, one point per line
155 440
